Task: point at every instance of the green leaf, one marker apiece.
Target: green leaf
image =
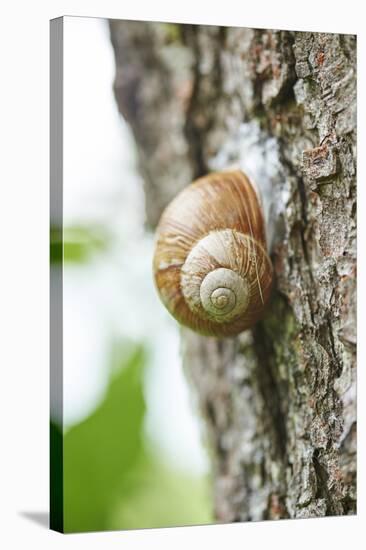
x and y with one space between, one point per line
100 451
112 479
77 243
163 497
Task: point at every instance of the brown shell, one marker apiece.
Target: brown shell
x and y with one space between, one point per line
219 201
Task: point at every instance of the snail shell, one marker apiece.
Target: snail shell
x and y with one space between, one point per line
210 265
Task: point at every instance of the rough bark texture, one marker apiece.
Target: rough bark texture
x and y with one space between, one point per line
279 401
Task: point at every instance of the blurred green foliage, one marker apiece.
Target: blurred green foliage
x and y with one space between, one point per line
56 477
104 473
112 479
79 243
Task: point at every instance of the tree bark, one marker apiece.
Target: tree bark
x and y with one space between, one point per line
279 401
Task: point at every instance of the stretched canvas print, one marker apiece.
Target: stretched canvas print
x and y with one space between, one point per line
203 274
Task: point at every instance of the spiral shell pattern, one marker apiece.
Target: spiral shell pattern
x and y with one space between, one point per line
211 267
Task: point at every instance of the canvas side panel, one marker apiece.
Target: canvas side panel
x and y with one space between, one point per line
56 272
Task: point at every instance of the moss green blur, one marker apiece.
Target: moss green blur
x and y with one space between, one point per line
77 244
112 479
104 473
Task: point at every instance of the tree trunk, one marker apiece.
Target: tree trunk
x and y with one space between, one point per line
279 401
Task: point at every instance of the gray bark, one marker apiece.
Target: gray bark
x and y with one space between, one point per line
279 401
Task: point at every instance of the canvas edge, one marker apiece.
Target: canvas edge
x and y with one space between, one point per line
56 275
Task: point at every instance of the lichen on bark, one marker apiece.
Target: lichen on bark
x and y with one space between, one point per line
279 401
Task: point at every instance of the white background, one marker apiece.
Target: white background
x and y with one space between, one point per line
24 283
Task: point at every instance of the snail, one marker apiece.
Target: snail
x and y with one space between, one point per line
210 265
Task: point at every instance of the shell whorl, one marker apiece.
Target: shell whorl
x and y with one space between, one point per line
211 267
214 276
